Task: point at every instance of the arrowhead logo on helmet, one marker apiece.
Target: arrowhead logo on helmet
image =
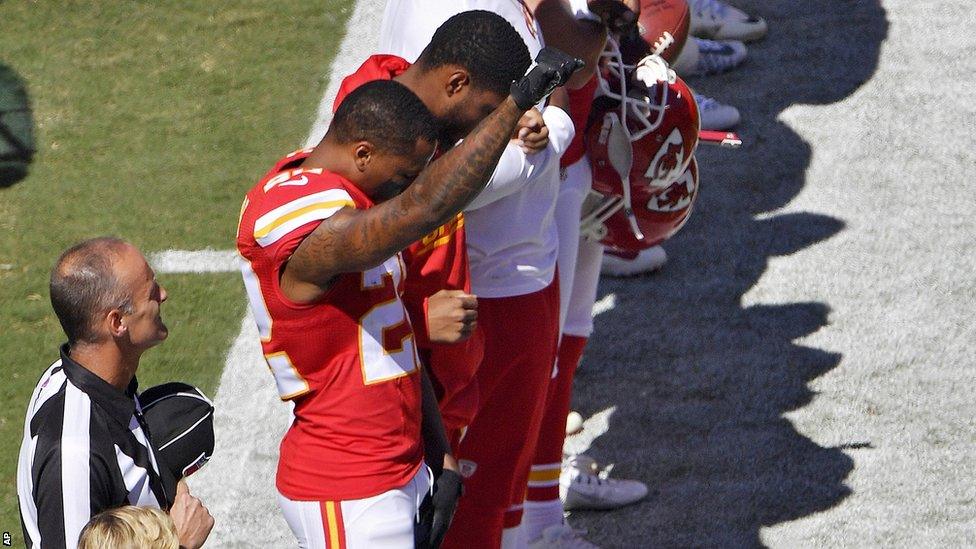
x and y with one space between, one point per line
668 162
679 195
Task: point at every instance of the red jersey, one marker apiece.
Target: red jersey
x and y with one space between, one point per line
580 105
438 261
348 360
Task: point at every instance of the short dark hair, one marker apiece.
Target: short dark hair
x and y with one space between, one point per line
385 113
482 43
84 284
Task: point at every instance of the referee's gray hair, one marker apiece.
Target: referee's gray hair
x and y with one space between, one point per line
84 285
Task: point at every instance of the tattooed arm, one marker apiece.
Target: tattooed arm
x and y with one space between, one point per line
355 240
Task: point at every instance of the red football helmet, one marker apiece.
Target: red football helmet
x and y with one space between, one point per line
660 213
641 143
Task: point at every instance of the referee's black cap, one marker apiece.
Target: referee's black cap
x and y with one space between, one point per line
180 419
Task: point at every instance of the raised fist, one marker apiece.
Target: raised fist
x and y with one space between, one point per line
653 69
552 69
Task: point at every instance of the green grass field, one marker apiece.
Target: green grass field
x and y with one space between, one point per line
152 120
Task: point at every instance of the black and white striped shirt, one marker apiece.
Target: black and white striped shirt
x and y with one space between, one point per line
85 450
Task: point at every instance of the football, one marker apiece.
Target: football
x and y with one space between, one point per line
663 24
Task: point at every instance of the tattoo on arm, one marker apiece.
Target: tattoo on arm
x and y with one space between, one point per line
355 240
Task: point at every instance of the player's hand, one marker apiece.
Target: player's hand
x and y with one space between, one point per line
447 491
617 16
192 519
532 134
552 69
653 69
452 316
437 511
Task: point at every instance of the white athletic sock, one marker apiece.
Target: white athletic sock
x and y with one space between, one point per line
514 538
539 515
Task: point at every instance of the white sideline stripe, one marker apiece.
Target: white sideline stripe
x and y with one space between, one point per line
195 261
238 484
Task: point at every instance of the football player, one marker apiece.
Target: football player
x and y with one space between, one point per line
649 123
511 245
513 248
581 29
463 73
321 236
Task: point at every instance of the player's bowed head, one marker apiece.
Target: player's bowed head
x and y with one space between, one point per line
465 71
380 138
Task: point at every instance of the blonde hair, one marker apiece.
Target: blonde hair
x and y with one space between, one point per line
130 527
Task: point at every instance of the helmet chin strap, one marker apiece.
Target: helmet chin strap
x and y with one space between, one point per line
648 103
622 159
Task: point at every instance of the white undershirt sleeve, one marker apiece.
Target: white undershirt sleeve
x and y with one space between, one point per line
516 168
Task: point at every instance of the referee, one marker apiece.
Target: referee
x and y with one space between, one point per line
86 445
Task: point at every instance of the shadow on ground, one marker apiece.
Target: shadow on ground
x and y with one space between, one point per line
701 383
16 128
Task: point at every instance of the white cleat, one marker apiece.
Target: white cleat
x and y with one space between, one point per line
716 57
583 484
719 21
562 536
701 57
715 115
624 264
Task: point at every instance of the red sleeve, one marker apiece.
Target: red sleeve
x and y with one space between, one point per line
285 209
439 261
580 104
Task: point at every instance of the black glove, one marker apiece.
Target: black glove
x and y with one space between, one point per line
552 69
633 47
437 511
614 14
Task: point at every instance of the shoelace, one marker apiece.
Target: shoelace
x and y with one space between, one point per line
708 64
589 468
705 103
586 478
707 46
711 8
